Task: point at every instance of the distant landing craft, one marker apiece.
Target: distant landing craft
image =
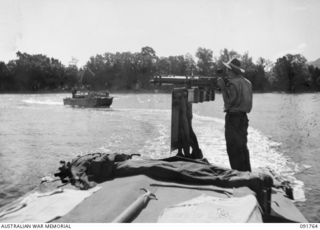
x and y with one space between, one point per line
85 98
88 99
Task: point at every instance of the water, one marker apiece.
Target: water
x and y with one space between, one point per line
36 131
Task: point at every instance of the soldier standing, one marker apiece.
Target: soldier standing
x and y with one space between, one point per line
237 97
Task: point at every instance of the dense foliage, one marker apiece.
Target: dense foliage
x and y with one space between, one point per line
128 71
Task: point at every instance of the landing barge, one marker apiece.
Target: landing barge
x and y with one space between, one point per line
88 99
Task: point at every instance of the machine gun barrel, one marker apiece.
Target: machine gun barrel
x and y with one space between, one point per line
197 89
206 82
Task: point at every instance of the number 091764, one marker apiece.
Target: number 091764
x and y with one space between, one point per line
306 226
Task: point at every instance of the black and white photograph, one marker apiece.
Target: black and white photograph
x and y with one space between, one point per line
159 111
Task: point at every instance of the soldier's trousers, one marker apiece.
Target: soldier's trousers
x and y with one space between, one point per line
236 132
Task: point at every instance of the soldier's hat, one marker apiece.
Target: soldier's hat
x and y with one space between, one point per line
235 65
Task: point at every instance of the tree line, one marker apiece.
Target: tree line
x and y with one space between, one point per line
132 71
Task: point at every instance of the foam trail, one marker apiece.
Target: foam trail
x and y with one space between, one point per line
159 146
42 102
154 141
157 143
142 111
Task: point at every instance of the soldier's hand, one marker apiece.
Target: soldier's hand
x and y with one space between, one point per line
221 83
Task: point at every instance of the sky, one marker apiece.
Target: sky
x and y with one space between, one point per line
83 28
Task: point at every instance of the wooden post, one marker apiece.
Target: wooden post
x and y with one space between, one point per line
182 134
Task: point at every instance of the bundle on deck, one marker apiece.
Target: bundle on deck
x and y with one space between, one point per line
85 171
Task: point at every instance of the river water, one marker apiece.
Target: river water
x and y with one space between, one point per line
37 131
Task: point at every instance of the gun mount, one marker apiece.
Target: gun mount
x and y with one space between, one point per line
189 90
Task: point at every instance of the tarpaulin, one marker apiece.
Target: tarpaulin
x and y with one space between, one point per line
84 171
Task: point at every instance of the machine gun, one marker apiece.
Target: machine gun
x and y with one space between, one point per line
191 90
199 89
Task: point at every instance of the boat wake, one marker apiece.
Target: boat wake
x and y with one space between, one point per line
42 102
152 140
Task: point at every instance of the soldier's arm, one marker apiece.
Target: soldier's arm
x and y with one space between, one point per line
229 95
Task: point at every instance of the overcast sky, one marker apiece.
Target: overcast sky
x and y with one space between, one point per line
81 28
